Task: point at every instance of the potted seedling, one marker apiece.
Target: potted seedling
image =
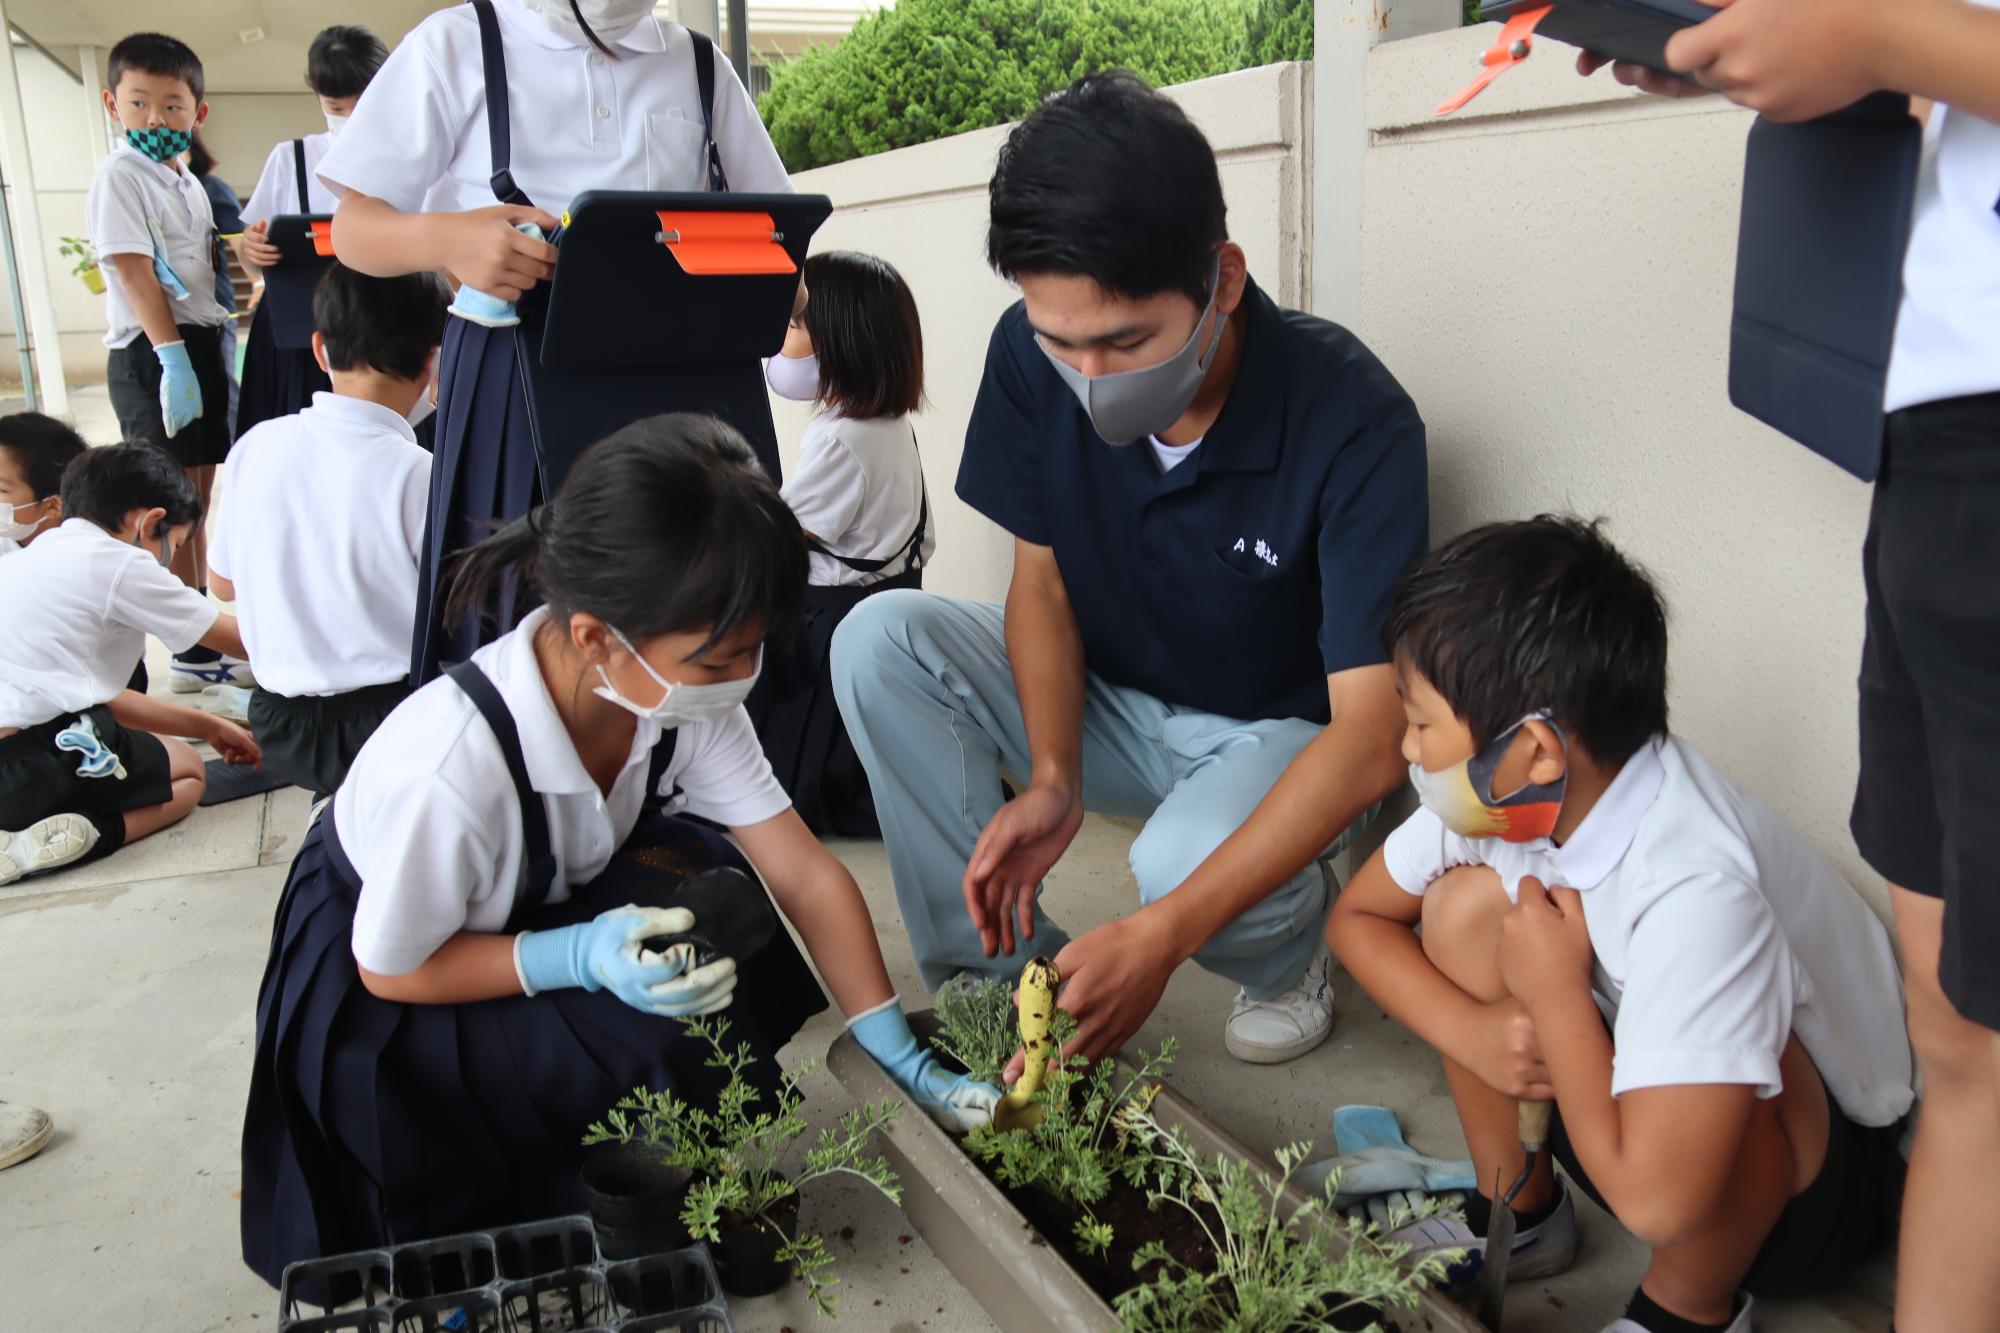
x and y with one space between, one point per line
83 257
747 1164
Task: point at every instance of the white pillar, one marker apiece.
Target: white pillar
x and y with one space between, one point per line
1343 30
88 61
30 250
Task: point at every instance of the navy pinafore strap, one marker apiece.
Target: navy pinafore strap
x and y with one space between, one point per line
539 870
299 174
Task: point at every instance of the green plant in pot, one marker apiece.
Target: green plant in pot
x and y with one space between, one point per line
83 261
747 1165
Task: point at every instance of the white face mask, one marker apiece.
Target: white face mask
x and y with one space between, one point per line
335 124
13 529
793 377
609 19
680 703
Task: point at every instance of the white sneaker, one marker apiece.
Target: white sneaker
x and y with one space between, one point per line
1286 1026
47 844
24 1131
194 677
1740 1324
1542 1250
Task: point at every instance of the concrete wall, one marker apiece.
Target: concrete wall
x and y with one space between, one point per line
924 210
1549 274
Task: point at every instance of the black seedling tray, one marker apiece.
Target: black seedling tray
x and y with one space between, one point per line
541 1277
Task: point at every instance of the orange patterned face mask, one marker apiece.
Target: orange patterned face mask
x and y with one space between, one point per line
1462 796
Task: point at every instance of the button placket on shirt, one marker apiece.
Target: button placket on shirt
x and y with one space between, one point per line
602 92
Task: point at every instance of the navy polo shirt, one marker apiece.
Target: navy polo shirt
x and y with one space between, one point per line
1263 563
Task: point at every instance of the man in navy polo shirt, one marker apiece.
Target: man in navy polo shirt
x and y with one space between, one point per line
1211 499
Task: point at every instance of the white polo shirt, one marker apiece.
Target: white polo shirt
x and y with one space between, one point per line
76 607
429 817
321 529
277 188
859 488
581 121
129 192
1948 331
1718 929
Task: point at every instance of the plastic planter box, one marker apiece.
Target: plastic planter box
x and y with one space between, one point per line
537 1278
1021 1279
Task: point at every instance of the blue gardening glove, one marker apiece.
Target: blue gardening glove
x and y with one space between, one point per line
482 308
956 1101
170 281
180 391
97 761
605 954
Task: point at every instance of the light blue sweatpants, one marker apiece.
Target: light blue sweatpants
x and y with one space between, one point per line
928 696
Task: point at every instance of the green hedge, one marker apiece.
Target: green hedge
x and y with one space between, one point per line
931 68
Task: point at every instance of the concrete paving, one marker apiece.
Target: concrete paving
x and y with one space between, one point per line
128 1015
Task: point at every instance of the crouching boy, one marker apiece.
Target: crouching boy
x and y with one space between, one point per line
1610 923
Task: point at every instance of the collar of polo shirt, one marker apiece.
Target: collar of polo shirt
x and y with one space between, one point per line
1605 835
647 37
1245 436
554 767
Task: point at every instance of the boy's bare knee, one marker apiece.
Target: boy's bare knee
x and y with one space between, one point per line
1461 927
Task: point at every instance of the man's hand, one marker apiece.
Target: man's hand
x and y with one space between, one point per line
1545 946
233 743
1643 77
485 252
1505 1054
1112 978
258 252
1024 839
1788 59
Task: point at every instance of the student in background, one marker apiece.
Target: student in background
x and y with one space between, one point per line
81 772
1609 923
34 450
228 212
857 353
435 1026
418 184
1930 737
342 59
154 231
319 534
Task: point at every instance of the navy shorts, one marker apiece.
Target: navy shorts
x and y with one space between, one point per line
38 780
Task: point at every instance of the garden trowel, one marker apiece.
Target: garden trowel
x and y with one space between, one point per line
1489 1294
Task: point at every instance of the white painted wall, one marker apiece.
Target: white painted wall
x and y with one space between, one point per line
924 210
1549 274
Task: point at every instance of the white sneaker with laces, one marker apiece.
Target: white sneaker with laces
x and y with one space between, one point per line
46 844
1547 1248
1286 1026
24 1131
1740 1324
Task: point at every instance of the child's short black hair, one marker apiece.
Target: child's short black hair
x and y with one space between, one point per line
865 334
104 485
391 325
343 59
1514 617
157 54
42 447
1110 180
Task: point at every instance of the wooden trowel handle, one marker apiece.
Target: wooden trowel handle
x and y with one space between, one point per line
1534 1124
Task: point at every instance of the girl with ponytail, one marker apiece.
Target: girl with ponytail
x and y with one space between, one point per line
459 979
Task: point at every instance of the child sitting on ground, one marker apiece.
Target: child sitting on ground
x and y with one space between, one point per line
328 619
1738 1103
34 450
80 773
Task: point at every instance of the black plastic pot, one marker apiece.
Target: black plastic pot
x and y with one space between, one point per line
747 1257
635 1199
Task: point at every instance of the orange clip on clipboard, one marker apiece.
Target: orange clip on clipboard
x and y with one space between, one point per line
712 243
1514 44
322 234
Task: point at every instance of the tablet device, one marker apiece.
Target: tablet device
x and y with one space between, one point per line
305 252
646 278
1632 30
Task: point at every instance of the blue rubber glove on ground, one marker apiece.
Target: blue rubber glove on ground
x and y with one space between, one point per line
605 954
180 391
956 1101
1375 1161
483 308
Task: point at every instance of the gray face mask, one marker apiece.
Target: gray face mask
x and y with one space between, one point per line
1132 404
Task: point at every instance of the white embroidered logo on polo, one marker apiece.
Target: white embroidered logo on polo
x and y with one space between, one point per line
1262 551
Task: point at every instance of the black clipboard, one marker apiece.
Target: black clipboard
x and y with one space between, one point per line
305 253
712 280
1631 30
1827 208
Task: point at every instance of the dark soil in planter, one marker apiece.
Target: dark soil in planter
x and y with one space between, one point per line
747 1256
